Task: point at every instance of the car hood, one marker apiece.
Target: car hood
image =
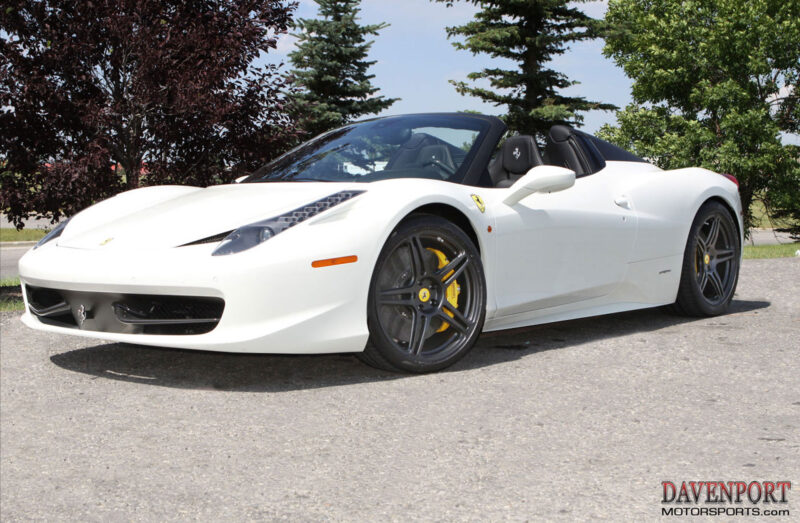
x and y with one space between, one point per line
170 216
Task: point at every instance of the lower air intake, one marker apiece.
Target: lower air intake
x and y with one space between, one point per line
125 313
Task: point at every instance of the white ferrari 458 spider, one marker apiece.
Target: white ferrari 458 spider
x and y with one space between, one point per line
399 238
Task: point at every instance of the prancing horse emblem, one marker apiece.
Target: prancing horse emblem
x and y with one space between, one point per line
81 315
479 202
516 153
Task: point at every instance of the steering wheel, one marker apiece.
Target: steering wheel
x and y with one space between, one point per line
449 170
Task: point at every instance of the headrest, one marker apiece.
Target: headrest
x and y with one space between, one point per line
521 154
560 133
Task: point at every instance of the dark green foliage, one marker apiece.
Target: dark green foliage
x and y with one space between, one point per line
531 33
712 86
331 67
98 97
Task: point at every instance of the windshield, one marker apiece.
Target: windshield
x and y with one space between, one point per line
418 146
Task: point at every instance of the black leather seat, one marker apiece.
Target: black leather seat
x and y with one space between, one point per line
564 150
518 155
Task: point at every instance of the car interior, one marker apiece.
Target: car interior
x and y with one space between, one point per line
565 147
423 150
439 149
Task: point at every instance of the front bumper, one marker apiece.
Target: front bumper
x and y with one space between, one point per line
272 303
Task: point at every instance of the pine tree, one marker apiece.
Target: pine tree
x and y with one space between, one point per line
331 67
531 33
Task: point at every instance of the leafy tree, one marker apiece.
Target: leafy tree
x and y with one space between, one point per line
530 33
712 86
331 67
96 97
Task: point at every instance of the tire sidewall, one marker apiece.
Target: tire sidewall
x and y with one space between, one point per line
705 212
378 339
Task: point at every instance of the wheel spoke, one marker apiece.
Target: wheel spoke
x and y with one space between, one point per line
457 320
703 281
419 325
417 257
713 232
403 296
450 267
716 282
724 255
456 266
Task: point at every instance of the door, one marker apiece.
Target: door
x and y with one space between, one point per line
564 247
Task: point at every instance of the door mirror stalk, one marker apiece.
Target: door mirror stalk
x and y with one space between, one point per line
542 179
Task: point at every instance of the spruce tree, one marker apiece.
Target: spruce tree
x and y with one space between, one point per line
331 67
531 33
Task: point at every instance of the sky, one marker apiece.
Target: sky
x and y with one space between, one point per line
416 60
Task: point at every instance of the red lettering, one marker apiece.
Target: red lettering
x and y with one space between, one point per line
741 488
671 485
683 495
711 492
769 488
750 492
784 486
726 491
697 488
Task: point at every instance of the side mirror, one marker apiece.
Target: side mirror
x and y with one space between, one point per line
239 179
542 178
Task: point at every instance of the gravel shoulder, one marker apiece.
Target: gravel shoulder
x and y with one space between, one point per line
575 420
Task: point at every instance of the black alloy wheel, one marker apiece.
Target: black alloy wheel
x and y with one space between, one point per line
427 298
711 263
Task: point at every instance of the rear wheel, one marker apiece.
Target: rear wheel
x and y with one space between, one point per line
427 298
710 263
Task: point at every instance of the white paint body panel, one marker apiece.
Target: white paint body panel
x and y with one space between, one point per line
612 242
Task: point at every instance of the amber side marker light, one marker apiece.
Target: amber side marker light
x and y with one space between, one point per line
334 261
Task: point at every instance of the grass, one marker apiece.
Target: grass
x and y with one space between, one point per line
783 250
762 220
25 235
11 295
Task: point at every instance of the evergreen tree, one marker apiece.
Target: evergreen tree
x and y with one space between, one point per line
331 67
530 33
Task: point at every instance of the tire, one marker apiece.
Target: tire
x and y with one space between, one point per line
427 298
711 262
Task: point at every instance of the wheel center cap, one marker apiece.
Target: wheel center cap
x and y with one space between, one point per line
424 295
707 259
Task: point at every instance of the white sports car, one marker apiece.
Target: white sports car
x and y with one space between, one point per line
399 238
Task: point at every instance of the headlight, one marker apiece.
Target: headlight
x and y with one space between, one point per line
52 235
254 234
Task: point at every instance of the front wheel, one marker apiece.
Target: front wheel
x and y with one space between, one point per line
710 263
427 298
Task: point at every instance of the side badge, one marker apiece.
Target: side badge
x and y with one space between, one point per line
479 202
105 242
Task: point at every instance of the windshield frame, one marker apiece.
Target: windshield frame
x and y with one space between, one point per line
469 172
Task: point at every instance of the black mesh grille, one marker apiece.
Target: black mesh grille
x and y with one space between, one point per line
126 313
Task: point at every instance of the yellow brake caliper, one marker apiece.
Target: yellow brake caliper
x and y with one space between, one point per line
452 292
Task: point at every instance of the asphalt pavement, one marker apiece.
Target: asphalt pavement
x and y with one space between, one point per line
579 420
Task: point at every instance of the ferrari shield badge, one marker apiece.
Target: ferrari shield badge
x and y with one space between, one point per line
479 202
105 242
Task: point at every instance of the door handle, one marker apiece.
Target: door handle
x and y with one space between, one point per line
623 202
